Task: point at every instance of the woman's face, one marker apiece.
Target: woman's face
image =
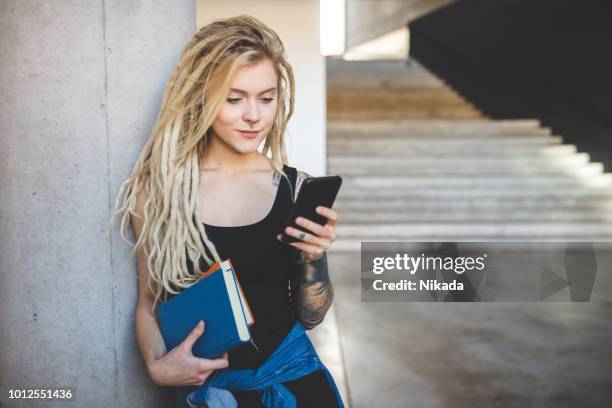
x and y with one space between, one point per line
250 106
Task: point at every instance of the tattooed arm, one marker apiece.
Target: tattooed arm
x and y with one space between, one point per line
314 290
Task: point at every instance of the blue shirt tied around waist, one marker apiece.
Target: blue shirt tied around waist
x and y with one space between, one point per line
295 357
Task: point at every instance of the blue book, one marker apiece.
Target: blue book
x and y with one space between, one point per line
216 298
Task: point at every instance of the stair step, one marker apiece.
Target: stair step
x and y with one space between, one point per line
480 230
441 138
499 216
434 141
576 164
484 203
435 126
374 146
584 171
392 95
504 146
374 67
381 103
344 74
416 113
442 142
451 193
384 83
444 150
481 181
353 245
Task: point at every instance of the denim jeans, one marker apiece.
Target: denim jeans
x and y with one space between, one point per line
294 358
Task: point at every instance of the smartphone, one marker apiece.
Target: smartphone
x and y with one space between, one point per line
314 192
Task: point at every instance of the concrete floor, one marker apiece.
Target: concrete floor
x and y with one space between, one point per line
549 354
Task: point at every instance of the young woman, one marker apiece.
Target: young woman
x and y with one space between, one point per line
201 192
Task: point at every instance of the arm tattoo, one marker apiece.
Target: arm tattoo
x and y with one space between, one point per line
315 292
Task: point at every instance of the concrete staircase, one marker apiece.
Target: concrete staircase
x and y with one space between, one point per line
390 89
420 163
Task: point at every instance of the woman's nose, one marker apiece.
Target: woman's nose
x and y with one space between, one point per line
252 113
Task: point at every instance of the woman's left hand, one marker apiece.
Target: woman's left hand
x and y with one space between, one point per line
314 243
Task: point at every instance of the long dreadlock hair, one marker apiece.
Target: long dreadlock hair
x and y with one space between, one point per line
168 165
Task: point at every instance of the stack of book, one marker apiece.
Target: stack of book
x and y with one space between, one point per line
218 300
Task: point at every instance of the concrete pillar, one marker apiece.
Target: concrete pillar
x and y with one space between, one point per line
81 82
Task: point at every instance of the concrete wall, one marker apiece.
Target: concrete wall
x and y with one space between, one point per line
368 19
81 83
297 24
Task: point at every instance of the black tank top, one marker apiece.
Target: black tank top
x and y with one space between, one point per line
266 270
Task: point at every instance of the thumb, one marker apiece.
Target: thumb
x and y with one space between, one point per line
194 335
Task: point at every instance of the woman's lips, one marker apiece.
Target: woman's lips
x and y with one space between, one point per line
249 134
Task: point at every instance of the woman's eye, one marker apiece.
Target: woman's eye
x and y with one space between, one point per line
236 100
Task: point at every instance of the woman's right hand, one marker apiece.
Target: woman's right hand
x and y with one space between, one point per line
179 367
